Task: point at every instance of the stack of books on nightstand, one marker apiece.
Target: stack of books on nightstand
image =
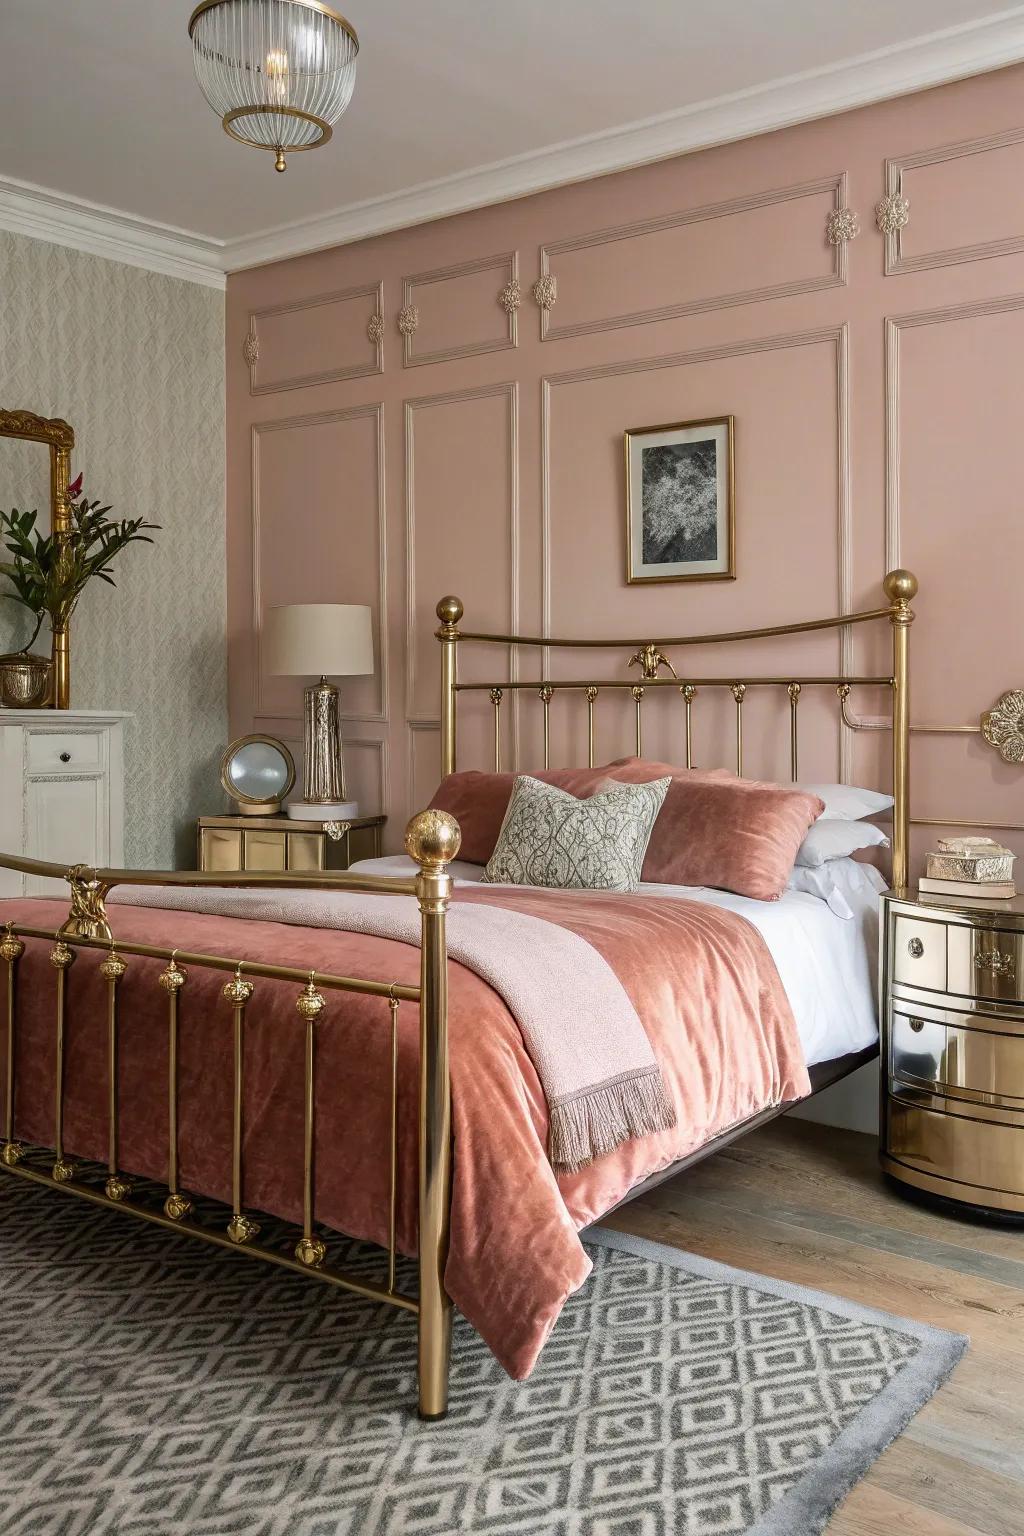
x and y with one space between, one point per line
970 866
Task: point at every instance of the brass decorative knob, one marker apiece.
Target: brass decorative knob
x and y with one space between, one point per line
915 949
917 1025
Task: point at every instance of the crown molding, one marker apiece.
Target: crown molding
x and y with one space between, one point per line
939 57
26 209
952 54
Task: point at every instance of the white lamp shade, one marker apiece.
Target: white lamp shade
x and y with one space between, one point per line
318 639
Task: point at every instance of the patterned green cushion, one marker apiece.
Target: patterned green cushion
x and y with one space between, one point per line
551 838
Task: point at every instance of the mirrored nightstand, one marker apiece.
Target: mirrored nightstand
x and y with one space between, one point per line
953 1048
228 843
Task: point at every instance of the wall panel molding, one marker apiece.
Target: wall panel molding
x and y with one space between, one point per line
895 169
354 370
510 391
895 325
549 252
381 715
505 268
835 336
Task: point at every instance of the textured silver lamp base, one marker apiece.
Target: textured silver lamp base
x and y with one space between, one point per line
323 773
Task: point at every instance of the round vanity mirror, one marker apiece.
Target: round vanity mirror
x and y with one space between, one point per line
257 772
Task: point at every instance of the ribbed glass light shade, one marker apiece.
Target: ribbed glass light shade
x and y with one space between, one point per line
279 73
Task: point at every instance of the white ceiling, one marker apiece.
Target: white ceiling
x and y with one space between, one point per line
100 106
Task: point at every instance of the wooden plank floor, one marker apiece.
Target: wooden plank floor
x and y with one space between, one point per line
807 1203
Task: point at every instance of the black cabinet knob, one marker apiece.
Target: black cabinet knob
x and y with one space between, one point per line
65 757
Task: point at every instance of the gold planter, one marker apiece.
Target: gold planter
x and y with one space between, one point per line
25 680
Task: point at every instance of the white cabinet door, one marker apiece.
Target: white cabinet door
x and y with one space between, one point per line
67 822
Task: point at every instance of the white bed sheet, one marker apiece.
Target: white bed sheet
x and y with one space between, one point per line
827 963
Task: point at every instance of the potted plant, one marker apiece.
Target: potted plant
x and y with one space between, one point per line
49 574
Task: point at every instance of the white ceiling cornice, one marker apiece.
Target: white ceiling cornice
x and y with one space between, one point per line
952 54
62 220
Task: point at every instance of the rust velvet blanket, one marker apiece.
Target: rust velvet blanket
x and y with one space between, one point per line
701 980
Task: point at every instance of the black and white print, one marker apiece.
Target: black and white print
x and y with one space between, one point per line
679 502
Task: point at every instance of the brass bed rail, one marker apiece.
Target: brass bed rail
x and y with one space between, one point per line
649 656
432 839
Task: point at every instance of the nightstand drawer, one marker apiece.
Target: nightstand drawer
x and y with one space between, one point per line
970 1057
962 1154
986 962
59 751
919 953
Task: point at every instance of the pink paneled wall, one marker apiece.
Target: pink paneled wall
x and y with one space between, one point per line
878 422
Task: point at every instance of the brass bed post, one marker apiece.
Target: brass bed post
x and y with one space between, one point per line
900 588
449 611
432 838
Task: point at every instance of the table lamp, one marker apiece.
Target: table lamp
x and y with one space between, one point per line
320 640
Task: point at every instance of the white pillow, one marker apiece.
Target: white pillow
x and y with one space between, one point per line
842 884
837 840
845 802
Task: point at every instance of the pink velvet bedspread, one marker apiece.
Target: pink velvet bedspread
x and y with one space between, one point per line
701 979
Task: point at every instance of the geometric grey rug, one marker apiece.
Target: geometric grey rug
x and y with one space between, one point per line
150 1385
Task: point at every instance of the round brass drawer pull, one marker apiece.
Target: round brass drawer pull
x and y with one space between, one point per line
917 1025
915 948
995 961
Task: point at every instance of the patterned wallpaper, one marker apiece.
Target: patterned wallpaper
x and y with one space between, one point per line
135 362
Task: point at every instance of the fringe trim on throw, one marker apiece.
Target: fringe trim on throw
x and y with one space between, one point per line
594 1122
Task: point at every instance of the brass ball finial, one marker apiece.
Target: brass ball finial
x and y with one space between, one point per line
900 586
279 163
433 839
450 610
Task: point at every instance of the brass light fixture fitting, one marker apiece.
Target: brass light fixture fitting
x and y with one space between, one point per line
278 73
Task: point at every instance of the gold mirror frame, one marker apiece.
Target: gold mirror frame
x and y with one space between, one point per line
60 438
249 805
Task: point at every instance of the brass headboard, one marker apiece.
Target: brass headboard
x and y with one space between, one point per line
649 655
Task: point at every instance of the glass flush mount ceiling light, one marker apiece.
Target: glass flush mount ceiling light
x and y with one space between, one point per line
278 73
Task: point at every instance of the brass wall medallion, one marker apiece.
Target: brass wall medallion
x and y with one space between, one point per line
841 225
892 213
1003 726
511 296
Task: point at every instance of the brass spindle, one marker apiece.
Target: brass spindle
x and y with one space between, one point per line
496 698
689 693
309 1005
393 1191
11 949
738 690
545 696
113 969
172 979
61 957
238 992
794 752
638 699
591 700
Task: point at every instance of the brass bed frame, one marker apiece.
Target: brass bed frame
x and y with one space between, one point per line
432 839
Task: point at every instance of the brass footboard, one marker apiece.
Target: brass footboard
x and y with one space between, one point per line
432 839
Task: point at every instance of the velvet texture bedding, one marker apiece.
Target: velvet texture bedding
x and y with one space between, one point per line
700 978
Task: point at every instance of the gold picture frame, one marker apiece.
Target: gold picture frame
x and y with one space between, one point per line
689 474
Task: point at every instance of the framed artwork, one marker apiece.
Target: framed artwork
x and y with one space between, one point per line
679 502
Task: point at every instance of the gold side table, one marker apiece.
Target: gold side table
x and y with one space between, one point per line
953 1048
230 843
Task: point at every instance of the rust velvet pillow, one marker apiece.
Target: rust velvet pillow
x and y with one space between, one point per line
734 834
478 801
